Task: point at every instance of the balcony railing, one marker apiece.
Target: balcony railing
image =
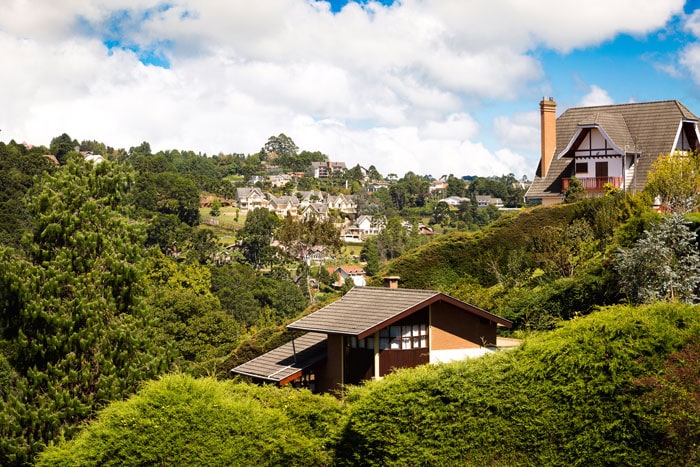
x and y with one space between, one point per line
594 184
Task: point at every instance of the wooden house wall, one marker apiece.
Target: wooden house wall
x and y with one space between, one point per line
452 328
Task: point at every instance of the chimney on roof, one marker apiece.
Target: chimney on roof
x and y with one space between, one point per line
548 129
391 282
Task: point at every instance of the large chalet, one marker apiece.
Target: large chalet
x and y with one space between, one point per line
607 145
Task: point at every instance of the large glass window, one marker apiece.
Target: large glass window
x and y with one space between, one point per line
406 337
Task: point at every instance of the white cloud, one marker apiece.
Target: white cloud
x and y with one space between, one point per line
397 87
595 96
520 131
692 23
690 61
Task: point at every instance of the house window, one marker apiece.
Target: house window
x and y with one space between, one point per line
601 169
581 168
406 337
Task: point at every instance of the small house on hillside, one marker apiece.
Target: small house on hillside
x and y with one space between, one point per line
342 203
370 332
607 145
317 210
487 200
356 273
365 225
325 169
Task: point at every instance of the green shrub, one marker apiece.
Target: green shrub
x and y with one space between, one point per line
180 420
567 397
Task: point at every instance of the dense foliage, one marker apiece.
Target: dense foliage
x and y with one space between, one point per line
107 279
184 421
575 396
72 322
542 265
19 166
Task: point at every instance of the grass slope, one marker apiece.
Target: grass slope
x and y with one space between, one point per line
455 255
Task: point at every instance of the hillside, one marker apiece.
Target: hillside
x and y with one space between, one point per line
536 266
459 254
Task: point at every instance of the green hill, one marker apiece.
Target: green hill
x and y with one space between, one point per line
534 267
453 256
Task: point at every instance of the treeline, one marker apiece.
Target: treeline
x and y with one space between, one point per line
107 281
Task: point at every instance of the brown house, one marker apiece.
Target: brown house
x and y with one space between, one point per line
607 145
370 332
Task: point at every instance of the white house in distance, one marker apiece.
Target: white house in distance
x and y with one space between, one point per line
250 198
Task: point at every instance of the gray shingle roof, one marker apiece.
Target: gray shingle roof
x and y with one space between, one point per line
648 128
364 310
279 365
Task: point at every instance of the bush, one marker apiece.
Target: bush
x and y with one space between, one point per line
568 397
180 420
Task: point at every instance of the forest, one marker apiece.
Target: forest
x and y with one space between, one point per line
121 315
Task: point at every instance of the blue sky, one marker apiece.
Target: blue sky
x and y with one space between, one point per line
429 86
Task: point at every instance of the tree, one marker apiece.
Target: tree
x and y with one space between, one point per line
441 213
282 146
675 179
72 322
455 186
393 239
19 169
562 250
215 208
61 146
663 265
373 174
189 314
370 255
234 285
257 235
575 191
300 236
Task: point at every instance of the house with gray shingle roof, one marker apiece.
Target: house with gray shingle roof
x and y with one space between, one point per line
607 145
370 332
250 198
284 206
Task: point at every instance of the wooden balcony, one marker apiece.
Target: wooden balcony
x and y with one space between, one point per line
594 184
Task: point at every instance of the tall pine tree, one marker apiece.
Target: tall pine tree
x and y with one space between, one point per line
72 324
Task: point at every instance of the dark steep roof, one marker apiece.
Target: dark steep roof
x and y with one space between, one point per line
364 310
286 363
646 128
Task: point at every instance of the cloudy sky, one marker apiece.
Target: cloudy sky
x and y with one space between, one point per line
429 86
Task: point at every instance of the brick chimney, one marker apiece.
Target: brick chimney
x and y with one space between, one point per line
391 282
548 128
